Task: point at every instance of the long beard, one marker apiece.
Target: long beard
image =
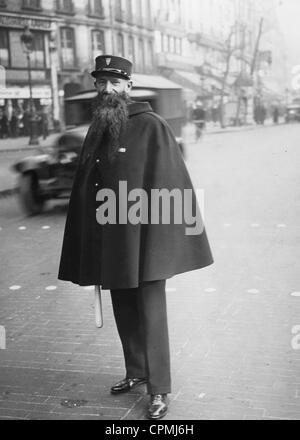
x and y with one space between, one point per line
110 117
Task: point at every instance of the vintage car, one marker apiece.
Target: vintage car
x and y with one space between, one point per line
49 173
292 113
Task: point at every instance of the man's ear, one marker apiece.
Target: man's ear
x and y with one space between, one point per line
129 85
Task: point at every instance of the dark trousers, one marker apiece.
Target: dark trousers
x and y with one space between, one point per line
141 318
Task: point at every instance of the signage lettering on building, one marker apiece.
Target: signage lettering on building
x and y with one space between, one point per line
24 93
7 20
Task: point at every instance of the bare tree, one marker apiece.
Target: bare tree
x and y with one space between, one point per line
230 48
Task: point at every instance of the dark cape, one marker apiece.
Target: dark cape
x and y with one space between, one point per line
119 256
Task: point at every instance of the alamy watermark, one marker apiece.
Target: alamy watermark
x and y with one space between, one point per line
161 206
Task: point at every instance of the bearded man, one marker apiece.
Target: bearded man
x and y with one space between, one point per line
128 142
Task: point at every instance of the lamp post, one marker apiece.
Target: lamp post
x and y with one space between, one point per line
27 43
57 122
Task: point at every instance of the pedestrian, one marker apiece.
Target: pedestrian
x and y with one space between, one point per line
275 115
44 121
199 116
128 144
26 121
4 125
263 114
215 114
14 124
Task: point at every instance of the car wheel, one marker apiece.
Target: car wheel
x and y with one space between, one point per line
31 201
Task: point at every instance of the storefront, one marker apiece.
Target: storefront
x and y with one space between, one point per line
18 73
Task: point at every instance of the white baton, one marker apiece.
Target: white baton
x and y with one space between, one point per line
98 307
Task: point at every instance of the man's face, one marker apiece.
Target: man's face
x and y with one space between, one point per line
110 84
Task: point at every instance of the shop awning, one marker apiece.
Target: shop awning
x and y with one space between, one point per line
91 94
144 86
153 82
189 80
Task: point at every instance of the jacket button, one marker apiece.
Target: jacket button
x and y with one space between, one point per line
98 160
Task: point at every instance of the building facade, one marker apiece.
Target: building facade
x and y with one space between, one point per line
67 36
191 42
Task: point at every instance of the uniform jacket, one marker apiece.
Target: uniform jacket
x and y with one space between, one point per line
119 256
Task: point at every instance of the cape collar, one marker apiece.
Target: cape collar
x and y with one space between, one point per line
136 108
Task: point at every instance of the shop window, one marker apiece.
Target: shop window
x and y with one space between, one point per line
67 48
98 44
4 48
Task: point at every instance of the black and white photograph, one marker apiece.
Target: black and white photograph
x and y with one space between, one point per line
149 209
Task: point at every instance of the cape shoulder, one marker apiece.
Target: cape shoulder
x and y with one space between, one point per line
164 163
158 129
157 121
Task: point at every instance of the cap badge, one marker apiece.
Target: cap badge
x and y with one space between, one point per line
108 61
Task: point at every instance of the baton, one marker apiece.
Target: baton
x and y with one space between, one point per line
98 307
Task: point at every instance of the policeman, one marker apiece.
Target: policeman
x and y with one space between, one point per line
128 144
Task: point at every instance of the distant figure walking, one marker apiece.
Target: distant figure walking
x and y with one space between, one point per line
199 116
275 115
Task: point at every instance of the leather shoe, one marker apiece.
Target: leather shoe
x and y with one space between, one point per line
158 407
126 385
